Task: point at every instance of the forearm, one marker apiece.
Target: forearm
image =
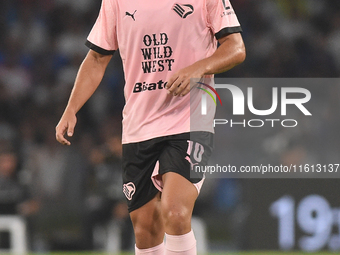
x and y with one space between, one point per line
89 76
230 53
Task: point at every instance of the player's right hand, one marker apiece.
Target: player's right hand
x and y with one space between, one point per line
66 124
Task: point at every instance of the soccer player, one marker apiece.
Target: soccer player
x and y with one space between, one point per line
163 45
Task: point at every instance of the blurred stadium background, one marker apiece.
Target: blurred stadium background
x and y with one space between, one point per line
70 199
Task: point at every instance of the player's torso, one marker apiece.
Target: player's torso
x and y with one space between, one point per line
157 37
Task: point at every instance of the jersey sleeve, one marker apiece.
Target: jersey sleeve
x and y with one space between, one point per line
221 18
103 36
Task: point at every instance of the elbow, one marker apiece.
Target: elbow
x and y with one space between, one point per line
98 59
240 54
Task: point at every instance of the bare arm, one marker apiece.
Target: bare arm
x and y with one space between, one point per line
230 53
89 76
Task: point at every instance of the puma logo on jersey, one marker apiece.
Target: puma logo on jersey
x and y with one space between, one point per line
131 15
129 190
183 10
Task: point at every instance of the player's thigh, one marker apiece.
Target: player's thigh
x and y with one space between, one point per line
178 193
147 223
148 214
178 200
185 152
139 160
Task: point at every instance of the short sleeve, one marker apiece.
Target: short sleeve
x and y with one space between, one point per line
103 36
222 18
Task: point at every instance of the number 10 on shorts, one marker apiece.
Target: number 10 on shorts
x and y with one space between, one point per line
195 150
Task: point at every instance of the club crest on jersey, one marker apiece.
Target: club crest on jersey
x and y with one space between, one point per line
183 10
129 190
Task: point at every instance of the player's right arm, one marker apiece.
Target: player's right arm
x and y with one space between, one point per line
89 76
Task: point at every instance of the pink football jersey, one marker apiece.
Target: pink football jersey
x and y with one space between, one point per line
156 39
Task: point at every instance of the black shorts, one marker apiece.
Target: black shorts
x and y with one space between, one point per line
145 162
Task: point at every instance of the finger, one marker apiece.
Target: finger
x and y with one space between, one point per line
61 139
185 91
60 136
172 79
70 129
174 86
181 88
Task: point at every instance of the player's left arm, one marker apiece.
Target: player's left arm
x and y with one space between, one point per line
230 53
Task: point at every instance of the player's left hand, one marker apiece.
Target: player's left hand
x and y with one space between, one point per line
179 83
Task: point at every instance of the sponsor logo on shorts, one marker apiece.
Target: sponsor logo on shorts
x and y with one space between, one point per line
129 190
191 164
